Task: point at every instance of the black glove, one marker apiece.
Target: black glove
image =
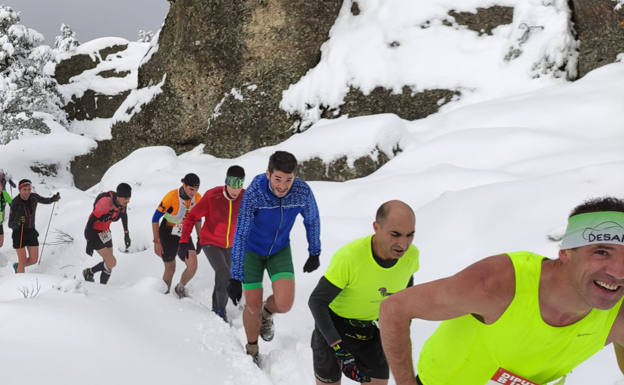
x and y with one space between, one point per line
56 197
235 290
198 248
127 239
348 365
183 248
311 264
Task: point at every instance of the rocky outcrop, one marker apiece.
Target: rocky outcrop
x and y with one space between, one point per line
485 19
90 104
600 30
226 64
339 170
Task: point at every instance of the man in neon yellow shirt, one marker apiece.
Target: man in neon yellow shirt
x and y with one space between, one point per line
345 303
517 315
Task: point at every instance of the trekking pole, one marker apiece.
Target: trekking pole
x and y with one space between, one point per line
46 234
21 235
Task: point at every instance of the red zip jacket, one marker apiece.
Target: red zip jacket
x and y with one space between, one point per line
220 215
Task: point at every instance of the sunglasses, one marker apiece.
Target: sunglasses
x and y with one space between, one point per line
234 181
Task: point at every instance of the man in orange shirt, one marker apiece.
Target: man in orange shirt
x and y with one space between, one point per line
173 209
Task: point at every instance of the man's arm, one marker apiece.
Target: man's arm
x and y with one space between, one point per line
484 289
312 223
243 227
319 301
124 221
13 214
39 199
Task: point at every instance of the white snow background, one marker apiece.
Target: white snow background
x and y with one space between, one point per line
495 172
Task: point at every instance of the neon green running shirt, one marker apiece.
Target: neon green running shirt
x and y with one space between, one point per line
466 351
363 282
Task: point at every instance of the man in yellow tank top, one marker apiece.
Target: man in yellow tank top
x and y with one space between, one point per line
517 318
345 303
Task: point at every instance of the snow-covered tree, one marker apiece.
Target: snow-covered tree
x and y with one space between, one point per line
28 93
67 40
145 36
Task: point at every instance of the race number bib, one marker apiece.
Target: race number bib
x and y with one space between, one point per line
505 377
105 236
177 230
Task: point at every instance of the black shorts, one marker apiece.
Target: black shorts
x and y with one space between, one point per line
169 242
363 341
94 241
27 237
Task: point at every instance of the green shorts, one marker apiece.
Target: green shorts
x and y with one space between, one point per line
278 265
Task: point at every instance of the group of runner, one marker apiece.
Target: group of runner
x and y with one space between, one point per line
516 317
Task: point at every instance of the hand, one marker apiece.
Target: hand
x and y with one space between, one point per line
235 290
127 239
158 249
56 197
348 365
21 220
198 248
183 248
12 183
311 264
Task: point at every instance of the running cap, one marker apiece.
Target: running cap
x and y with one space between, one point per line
191 179
24 183
592 228
124 190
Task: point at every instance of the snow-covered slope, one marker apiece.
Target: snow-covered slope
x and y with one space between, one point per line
487 178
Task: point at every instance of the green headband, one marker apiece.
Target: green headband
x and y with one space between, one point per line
592 228
234 181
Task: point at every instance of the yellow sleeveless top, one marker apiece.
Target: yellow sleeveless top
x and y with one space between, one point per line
466 351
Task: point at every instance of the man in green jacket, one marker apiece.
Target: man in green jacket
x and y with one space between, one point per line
517 317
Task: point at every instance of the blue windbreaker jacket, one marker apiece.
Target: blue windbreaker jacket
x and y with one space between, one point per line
264 221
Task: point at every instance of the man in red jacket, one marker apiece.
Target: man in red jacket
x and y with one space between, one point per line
219 206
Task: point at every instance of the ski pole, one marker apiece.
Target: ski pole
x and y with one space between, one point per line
21 235
46 234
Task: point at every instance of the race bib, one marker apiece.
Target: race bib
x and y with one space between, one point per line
105 236
504 376
177 230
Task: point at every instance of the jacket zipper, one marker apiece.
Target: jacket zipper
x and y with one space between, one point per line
278 227
227 235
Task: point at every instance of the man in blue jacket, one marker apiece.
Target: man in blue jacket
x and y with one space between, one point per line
262 242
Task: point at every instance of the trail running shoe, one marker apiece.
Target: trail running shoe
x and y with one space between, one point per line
266 327
252 350
222 314
180 290
88 275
